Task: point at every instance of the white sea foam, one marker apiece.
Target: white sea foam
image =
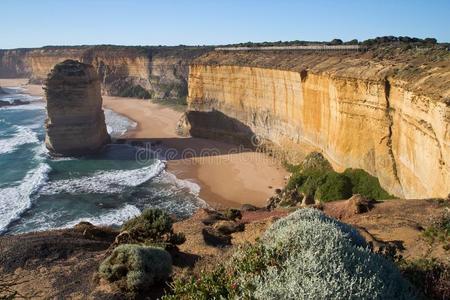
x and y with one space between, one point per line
15 200
17 93
117 124
105 181
192 187
32 106
23 135
113 217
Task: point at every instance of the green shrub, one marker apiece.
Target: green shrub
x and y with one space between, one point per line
137 266
297 179
135 91
152 226
366 184
336 186
306 255
315 177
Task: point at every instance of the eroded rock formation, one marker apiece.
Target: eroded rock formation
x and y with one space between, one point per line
387 117
75 122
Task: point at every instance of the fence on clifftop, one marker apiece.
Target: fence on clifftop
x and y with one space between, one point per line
309 47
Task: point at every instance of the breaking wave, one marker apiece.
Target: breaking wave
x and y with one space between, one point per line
117 124
22 136
15 200
104 181
115 217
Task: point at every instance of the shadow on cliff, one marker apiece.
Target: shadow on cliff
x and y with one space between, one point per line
212 134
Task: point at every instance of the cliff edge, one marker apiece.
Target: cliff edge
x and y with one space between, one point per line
386 111
75 122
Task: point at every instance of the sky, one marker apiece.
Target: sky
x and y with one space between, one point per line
35 23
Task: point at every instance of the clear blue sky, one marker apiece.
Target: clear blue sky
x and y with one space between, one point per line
34 23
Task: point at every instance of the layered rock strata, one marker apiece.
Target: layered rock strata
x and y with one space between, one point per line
75 122
360 113
157 72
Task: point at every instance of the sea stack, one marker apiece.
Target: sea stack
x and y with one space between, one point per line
75 122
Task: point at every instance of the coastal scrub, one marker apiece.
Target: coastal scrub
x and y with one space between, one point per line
305 255
136 266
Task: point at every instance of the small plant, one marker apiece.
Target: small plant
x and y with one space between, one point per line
136 267
153 226
430 276
232 214
439 231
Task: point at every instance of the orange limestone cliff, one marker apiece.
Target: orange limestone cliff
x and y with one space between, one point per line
143 72
75 122
360 112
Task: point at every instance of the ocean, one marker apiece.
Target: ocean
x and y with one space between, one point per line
40 192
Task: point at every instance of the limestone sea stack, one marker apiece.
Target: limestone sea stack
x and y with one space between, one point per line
75 122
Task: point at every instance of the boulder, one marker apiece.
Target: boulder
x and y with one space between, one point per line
228 227
359 204
75 122
308 200
248 207
215 238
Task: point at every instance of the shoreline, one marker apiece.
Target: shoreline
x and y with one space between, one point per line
228 176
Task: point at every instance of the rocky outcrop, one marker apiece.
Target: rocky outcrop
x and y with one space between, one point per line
387 117
75 122
158 72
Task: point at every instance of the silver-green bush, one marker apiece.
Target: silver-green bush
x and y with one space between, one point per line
318 257
139 266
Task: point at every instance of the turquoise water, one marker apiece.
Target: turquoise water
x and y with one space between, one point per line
38 192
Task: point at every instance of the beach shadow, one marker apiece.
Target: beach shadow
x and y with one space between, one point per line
212 134
184 148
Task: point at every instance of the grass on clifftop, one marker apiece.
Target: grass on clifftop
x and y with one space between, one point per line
315 178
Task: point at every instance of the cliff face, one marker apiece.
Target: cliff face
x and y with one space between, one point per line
14 63
160 72
75 122
358 113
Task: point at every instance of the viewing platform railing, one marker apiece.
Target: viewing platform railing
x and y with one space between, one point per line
309 47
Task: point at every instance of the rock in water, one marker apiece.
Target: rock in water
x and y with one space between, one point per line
75 122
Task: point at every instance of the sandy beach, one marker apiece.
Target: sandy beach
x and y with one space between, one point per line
228 175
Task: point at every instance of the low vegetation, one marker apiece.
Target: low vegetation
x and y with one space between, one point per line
439 230
136 267
135 91
382 40
315 178
430 276
306 255
153 226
